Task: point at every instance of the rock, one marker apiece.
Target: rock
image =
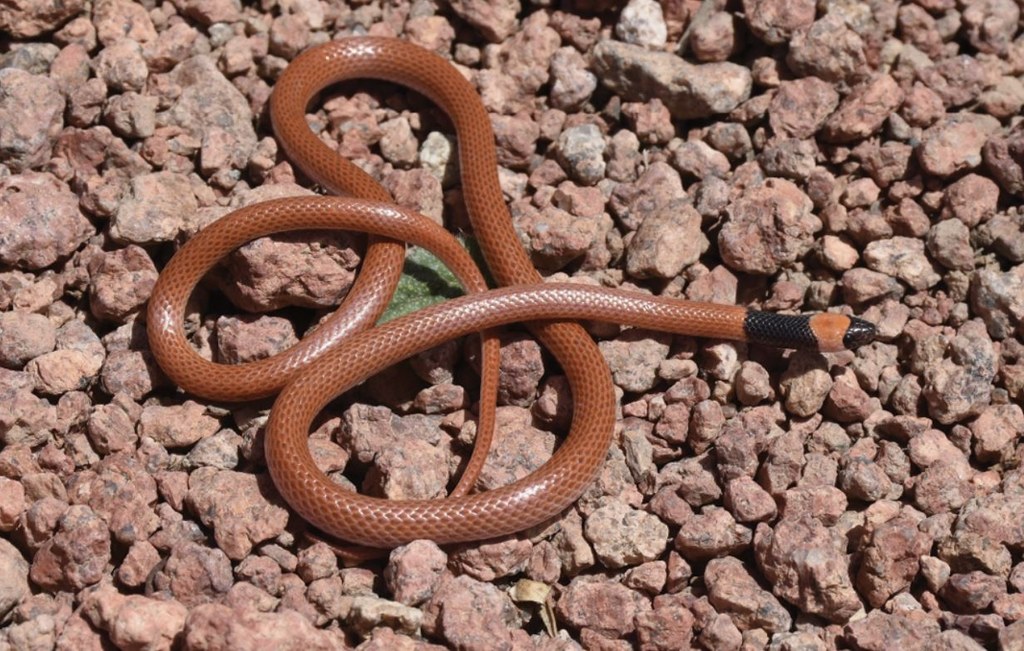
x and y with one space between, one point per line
25 19
14 586
24 336
903 258
688 91
466 613
31 115
829 49
77 554
623 536
157 207
40 219
121 282
216 626
800 107
495 20
864 110
806 565
769 226
214 112
604 606
954 144
959 387
733 591
414 571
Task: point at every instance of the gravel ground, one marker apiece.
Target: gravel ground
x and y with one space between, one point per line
859 156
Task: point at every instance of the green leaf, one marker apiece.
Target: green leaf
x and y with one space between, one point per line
426 280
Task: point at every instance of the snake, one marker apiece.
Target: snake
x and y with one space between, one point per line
350 346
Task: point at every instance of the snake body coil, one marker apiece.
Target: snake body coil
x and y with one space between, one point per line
346 350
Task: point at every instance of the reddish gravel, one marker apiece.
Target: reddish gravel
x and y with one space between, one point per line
865 157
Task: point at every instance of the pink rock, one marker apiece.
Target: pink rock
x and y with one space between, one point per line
775 22
995 429
518 449
716 38
847 402
177 426
213 626
753 384
195 575
864 110
922 106
666 627
111 429
634 358
971 199
949 244
156 208
958 391
829 49
121 66
822 585
972 592
732 590
496 21
991 24
651 121
414 571
573 84
316 562
410 469
250 338
957 80
521 65
800 107
145 622
623 536
861 285
880 630
121 491
603 606
172 46
76 556
710 534
31 109
649 578
966 550
688 91
747 501
232 504
141 559
24 336
40 218
954 143
121 283
768 227
492 560
31 19
212 110
14 585
891 560
471 615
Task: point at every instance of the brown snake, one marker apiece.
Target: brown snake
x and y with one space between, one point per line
346 349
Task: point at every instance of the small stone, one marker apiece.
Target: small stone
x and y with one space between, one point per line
624 536
641 23
40 219
688 91
733 591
